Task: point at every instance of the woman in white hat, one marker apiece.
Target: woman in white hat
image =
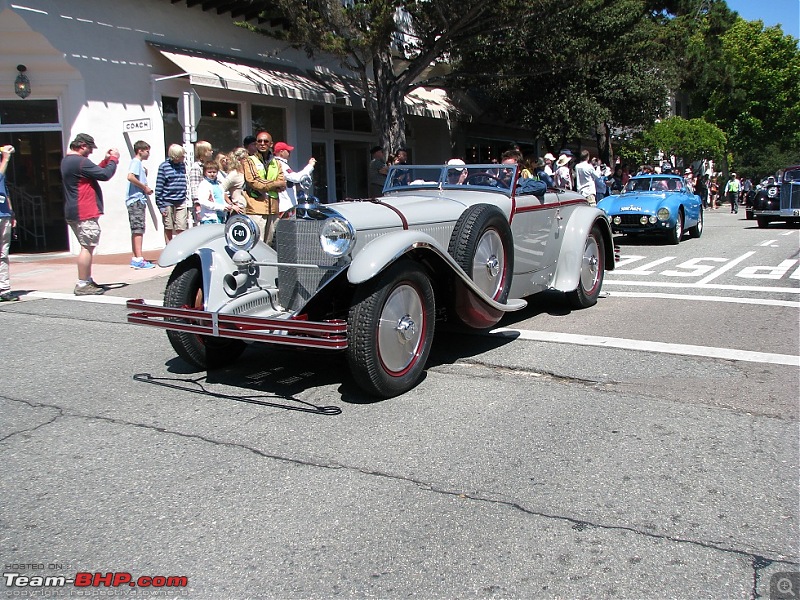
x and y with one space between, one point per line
549 159
562 177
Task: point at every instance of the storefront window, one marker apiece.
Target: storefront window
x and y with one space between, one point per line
219 124
15 112
347 119
317 117
271 119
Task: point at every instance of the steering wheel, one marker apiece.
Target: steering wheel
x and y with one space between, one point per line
477 176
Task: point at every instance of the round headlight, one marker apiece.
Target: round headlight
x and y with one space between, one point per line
653 219
241 232
663 213
617 220
337 237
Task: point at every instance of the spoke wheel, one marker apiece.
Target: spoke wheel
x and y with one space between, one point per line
677 232
592 271
697 230
391 327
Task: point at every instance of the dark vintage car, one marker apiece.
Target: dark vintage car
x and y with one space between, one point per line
372 277
779 199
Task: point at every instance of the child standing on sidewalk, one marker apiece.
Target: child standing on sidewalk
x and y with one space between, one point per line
138 191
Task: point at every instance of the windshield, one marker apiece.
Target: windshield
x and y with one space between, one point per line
654 184
469 177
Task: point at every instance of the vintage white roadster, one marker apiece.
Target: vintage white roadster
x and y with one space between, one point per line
372 277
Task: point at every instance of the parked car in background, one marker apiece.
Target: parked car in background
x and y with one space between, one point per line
655 205
779 199
371 278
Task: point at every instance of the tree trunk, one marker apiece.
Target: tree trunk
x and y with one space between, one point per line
604 143
386 106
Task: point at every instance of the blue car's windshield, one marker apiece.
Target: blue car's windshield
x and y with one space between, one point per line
654 184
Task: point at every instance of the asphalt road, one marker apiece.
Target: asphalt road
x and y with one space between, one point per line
646 447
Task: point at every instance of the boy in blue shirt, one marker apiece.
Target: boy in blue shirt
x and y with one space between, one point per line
138 191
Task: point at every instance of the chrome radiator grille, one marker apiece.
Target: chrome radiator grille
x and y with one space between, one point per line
297 241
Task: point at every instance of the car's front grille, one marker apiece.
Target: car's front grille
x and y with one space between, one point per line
631 220
297 241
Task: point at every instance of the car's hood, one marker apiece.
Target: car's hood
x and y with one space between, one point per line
631 203
392 211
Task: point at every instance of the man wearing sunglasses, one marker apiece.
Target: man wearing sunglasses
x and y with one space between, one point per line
264 180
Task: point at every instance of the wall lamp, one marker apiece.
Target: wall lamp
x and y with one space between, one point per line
22 85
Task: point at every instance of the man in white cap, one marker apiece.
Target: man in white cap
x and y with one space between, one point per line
458 171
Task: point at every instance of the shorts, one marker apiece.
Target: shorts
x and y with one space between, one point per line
176 218
136 217
87 232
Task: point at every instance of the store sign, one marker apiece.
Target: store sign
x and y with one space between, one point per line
137 125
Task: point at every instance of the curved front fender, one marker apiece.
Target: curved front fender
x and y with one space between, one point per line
570 259
187 243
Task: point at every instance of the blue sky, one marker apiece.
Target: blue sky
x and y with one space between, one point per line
772 12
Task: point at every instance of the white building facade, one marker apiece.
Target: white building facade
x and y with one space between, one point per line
118 71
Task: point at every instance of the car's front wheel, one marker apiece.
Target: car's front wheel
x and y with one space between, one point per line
592 271
391 325
676 233
185 289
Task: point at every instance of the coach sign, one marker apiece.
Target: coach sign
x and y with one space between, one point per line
137 125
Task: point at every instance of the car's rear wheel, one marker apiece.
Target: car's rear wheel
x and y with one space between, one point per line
697 230
676 233
592 271
391 324
185 289
762 222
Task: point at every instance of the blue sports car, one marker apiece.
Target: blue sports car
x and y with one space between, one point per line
655 204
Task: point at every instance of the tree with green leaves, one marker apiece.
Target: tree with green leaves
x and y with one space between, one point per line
690 140
389 44
755 97
578 66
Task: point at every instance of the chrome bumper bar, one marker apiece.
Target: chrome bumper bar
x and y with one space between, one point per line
330 335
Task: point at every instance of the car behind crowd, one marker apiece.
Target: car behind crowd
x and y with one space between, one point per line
372 277
659 204
778 199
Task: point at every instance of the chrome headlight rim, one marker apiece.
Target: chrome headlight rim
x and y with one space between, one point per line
241 233
337 236
663 214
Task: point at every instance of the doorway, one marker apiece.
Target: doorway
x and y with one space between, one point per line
33 179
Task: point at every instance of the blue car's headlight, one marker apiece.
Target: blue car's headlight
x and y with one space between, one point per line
337 237
663 213
617 220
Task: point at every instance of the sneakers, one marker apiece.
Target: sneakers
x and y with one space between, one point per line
7 296
90 289
141 264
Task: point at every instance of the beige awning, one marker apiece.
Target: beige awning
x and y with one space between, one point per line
228 73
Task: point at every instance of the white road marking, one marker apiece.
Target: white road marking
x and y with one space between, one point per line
732 299
727 267
768 242
647 346
642 270
705 286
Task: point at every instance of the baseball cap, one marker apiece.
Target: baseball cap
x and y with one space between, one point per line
457 163
282 146
83 138
248 139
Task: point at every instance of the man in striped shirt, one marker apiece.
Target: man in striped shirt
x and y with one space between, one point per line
171 192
